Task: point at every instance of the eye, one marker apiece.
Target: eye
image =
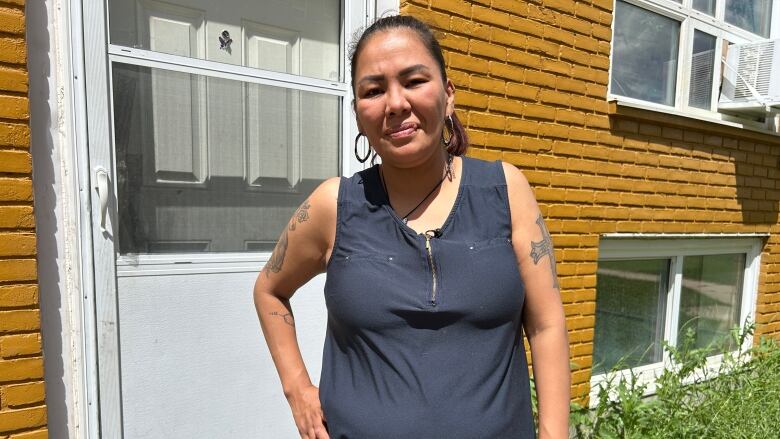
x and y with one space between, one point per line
372 92
416 81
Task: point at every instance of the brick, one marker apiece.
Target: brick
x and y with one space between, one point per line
15 135
17 270
13 51
470 99
551 162
17 244
467 63
19 321
503 105
506 37
490 85
533 144
523 161
12 20
22 369
511 6
522 126
523 58
15 189
522 91
555 66
560 5
16 217
539 111
26 418
37 434
490 16
13 107
505 71
503 141
15 162
24 394
485 154
12 346
542 47
458 7
454 42
526 26
558 35
432 18
488 50
485 120
554 130
15 296
548 96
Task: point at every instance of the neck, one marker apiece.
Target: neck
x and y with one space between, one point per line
415 182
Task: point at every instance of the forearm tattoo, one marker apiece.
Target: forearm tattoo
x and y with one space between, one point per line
287 317
544 248
277 257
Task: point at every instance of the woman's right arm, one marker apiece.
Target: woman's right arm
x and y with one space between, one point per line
300 254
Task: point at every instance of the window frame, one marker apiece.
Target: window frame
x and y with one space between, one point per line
625 247
691 20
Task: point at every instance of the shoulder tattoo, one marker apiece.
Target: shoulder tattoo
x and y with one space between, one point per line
277 257
544 248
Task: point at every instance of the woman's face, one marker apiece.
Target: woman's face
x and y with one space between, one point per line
400 99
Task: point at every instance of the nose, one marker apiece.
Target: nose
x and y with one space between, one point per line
396 102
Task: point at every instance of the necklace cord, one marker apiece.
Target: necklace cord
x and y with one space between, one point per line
446 174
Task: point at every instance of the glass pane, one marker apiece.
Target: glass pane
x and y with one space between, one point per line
630 313
711 297
215 165
644 64
301 37
752 15
702 70
706 6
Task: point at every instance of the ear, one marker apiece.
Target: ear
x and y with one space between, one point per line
449 90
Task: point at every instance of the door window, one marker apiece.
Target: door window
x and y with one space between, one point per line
226 116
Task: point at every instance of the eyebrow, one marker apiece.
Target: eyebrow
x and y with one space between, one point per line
407 71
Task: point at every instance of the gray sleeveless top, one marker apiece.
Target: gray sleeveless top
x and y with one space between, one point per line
424 335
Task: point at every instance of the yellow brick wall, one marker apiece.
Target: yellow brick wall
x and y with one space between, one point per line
22 407
531 81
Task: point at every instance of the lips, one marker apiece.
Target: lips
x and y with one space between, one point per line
403 130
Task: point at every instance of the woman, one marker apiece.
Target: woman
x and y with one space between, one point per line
435 263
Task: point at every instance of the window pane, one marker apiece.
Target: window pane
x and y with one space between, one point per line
711 296
644 64
630 313
702 70
214 165
706 6
752 15
300 37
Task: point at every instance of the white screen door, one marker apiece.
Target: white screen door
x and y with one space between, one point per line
209 123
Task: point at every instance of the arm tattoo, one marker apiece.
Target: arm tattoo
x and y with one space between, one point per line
544 248
287 317
277 257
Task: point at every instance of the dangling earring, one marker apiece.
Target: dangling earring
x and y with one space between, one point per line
357 156
447 141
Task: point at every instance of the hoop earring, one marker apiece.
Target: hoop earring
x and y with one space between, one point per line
445 141
357 156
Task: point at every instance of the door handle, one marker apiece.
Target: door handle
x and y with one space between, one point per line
101 175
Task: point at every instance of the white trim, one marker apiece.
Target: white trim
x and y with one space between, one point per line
202 67
617 246
718 118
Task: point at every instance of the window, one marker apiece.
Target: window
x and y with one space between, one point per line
667 54
651 291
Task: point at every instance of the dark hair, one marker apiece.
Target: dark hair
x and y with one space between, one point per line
459 141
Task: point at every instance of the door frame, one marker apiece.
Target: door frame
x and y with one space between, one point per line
101 416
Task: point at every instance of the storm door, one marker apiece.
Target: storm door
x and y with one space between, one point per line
209 123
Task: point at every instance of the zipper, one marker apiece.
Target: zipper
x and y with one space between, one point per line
430 262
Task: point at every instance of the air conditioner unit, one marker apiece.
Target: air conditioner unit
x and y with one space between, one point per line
751 79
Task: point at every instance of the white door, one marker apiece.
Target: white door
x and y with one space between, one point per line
209 123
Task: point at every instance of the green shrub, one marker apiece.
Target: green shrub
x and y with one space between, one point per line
739 399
